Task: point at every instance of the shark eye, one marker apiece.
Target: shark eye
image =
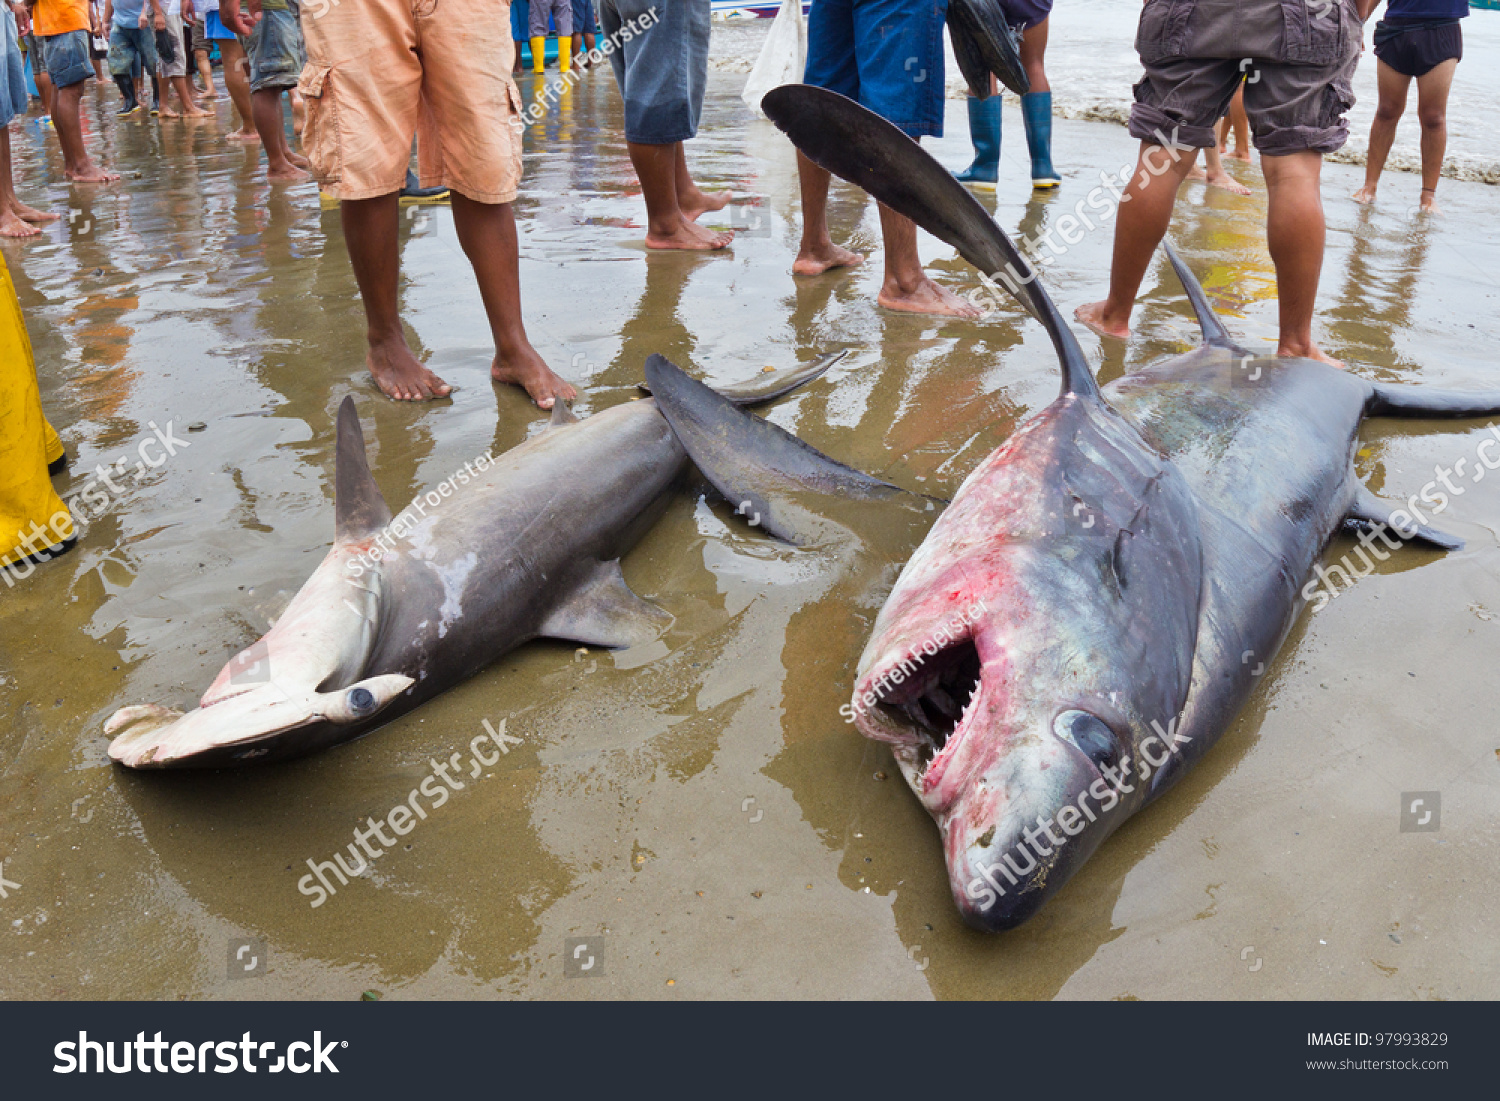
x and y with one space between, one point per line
1088 734
362 702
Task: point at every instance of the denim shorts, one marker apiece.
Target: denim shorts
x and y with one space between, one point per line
66 57
132 50
584 20
1296 61
276 51
13 96
662 69
885 54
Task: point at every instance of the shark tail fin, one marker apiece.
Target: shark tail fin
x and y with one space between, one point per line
756 465
358 504
1214 331
1394 400
858 145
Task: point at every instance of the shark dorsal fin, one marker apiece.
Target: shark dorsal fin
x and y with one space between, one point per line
562 413
358 503
1214 331
858 145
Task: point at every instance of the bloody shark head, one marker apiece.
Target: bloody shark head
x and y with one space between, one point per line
1031 661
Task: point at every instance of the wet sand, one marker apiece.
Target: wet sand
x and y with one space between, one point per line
698 811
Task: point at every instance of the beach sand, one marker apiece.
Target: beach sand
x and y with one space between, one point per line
699 810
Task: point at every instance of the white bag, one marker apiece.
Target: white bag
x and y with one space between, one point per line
783 57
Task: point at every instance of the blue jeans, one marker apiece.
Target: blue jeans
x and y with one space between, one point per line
13 96
132 50
885 54
67 57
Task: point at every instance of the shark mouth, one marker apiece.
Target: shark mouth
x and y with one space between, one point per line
924 711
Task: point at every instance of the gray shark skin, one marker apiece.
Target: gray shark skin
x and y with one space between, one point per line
526 548
1090 613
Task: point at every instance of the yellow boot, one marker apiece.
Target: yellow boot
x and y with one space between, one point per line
564 54
538 54
32 517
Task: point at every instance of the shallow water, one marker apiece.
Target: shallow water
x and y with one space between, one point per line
699 812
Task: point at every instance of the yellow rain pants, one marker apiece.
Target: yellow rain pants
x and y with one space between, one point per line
33 517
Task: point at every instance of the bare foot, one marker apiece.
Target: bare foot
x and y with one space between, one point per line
91 173
688 235
11 226
815 261
1227 182
246 136
529 371
197 113
1429 203
1239 155
1365 194
1093 316
298 159
288 173
695 205
401 376
926 298
31 214
1308 351
1197 173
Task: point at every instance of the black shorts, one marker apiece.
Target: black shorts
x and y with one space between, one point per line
1415 49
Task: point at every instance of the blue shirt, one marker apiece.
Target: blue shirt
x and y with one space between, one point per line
1427 9
128 13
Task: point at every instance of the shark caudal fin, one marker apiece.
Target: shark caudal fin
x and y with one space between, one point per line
756 465
358 503
770 383
858 145
1214 331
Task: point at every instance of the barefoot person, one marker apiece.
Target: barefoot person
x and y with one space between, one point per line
660 61
16 217
457 97
1419 40
174 71
236 70
891 61
1236 123
61 28
275 50
1195 54
1214 174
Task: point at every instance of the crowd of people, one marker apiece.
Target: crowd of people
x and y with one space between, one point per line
367 81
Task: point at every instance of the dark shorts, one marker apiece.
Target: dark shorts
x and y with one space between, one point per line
1295 60
1025 14
885 54
1415 49
520 19
584 20
662 70
132 50
276 50
66 57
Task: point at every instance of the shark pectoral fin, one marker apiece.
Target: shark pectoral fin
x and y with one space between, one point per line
1368 511
756 465
603 611
1395 400
358 504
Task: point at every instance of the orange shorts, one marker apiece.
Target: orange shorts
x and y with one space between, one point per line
379 71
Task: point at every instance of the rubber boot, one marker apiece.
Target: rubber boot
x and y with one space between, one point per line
127 89
1036 111
984 132
564 53
538 54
